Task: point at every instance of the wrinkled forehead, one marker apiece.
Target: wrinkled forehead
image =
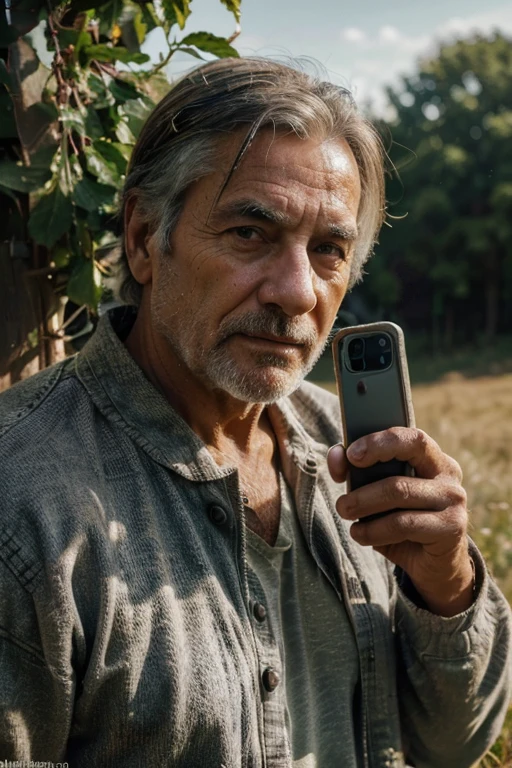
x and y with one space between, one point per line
295 169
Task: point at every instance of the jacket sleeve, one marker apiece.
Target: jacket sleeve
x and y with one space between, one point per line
456 671
35 697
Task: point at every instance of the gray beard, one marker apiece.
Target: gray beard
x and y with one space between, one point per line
224 374
218 367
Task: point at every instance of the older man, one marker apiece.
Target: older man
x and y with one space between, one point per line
180 582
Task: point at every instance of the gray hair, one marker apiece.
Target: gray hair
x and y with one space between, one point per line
179 141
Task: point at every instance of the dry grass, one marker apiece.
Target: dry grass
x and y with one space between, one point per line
471 419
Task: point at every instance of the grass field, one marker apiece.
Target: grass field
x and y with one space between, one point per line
472 421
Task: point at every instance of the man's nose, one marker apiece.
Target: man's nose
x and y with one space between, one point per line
290 282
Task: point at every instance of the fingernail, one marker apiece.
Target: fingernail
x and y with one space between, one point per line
357 450
338 447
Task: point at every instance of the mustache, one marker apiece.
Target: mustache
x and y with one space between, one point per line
275 323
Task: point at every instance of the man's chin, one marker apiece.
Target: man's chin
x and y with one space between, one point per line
261 385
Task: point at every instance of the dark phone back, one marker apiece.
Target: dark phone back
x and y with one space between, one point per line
372 401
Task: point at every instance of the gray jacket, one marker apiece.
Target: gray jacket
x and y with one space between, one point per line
126 636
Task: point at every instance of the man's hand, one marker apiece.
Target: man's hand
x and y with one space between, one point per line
426 534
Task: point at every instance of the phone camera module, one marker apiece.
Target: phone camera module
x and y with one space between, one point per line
370 353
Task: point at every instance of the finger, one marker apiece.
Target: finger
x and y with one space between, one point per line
337 463
405 444
437 531
400 492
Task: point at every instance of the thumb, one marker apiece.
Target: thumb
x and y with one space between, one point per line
337 463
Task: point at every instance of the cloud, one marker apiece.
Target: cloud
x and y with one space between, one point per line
353 35
484 23
388 34
380 59
387 37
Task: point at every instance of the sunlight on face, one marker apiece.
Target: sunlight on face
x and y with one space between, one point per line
273 375
247 296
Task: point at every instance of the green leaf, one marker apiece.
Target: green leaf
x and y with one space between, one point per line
78 38
6 191
48 109
5 75
234 7
106 172
51 218
91 196
96 221
8 127
190 51
104 52
136 112
44 157
122 91
72 120
123 132
101 95
140 26
133 28
22 178
61 256
84 284
176 11
111 154
148 17
93 126
135 58
205 41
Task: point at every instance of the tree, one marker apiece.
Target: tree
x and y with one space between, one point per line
75 89
452 146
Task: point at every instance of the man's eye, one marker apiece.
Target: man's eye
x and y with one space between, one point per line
246 233
331 250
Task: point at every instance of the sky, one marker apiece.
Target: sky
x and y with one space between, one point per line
363 44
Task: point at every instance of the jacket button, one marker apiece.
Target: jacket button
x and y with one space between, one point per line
270 679
259 611
217 515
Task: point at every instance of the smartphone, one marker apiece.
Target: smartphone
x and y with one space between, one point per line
374 391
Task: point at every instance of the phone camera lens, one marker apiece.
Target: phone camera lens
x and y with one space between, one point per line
382 341
358 364
356 348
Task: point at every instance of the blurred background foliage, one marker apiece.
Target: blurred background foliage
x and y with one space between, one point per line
75 89
443 268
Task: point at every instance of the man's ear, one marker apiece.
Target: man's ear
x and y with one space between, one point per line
139 242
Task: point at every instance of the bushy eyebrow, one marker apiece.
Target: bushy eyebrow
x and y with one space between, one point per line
253 209
344 233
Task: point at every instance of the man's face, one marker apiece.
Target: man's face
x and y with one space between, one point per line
251 287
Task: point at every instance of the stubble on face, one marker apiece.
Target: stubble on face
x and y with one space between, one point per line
271 377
